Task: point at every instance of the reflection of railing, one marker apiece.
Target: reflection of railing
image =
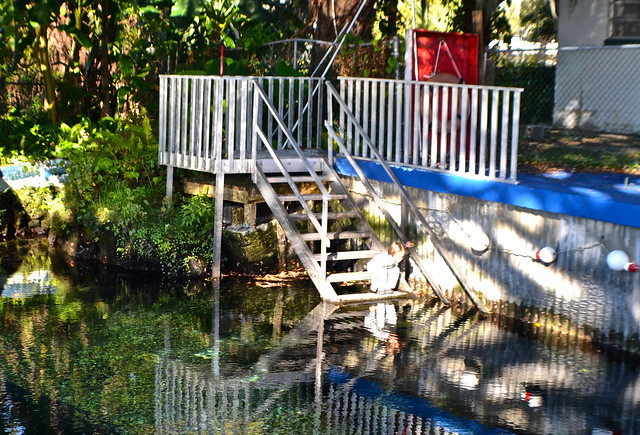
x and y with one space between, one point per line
470 364
465 129
192 401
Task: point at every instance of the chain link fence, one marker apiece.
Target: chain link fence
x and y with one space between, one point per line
592 89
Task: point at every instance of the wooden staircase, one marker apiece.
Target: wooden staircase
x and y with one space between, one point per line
322 222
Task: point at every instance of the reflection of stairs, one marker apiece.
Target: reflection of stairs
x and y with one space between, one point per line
309 200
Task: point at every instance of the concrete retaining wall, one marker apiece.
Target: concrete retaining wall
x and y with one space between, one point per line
578 290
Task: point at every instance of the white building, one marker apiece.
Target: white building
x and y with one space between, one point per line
597 86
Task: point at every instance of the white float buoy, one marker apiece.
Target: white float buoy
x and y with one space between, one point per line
547 255
619 260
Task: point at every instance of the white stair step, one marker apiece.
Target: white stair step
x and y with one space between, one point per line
338 235
330 215
312 197
347 255
298 179
348 276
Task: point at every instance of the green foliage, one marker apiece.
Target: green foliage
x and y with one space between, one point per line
116 190
539 25
26 138
537 79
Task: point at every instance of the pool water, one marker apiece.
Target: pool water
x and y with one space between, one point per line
89 350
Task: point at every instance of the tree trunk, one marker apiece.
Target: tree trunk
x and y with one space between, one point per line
42 50
331 16
105 63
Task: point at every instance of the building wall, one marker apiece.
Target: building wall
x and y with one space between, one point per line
597 89
583 22
578 288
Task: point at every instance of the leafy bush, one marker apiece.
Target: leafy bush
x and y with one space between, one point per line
26 138
115 186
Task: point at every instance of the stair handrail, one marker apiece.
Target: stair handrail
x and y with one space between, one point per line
405 196
322 228
293 186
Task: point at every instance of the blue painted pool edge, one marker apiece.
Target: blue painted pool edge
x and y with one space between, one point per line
588 198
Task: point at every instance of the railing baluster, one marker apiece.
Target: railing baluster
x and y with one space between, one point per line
391 100
415 125
206 154
473 139
193 121
495 99
350 130
515 125
175 125
398 111
504 138
270 118
217 142
424 123
300 102
482 158
291 122
464 119
162 122
433 125
445 126
184 120
280 109
406 117
382 117
358 113
319 84
374 110
454 124
230 92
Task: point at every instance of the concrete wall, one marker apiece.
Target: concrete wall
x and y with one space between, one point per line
583 22
578 288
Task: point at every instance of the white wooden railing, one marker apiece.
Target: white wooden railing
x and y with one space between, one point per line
206 121
465 129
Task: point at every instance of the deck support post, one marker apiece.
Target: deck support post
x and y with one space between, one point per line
217 227
169 193
282 248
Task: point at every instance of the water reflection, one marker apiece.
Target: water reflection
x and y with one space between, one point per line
405 368
98 352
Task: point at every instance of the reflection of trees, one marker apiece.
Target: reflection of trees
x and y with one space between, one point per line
94 349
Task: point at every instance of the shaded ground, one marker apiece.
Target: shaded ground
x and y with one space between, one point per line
573 151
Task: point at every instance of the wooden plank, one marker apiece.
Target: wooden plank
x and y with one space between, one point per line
332 215
217 228
348 255
298 179
348 276
367 297
312 197
338 235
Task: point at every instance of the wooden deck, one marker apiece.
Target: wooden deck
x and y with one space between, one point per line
276 130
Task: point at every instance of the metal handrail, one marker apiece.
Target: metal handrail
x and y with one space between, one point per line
405 196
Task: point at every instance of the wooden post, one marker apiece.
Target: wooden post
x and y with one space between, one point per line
282 248
169 193
478 27
217 227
